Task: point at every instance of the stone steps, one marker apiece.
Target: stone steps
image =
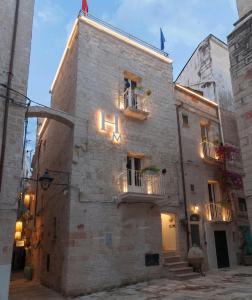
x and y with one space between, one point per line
180 270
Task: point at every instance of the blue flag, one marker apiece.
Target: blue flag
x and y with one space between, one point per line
162 38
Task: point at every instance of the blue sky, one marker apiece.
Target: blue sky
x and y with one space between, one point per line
184 22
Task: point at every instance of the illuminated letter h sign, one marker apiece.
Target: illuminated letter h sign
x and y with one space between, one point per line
116 137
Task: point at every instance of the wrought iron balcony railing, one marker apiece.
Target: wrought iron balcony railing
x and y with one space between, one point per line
209 150
219 212
133 181
134 104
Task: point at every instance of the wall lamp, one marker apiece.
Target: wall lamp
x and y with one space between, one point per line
46 179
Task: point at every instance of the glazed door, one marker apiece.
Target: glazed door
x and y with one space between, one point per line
134 174
221 249
168 232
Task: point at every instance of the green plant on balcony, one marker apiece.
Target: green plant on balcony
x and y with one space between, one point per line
150 170
139 90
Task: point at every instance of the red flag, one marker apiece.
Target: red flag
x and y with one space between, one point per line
84 7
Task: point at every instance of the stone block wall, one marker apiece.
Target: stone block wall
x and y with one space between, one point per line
13 154
244 6
105 242
240 47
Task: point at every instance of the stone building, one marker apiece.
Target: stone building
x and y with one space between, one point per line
119 216
208 72
240 48
215 222
15 35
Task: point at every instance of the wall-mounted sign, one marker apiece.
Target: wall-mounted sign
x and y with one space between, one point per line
116 136
20 243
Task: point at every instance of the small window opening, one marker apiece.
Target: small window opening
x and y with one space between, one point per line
48 262
185 119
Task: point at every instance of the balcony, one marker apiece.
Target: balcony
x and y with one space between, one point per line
219 212
138 187
134 104
208 152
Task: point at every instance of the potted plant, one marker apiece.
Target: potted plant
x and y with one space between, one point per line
196 257
139 90
148 92
151 170
28 272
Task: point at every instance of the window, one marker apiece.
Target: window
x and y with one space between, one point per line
242 204
134 171
185 119
213 192
192 187
130 98
204 133
48 261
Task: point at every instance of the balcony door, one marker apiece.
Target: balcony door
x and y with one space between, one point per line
134 175
213 192
130 98
205 140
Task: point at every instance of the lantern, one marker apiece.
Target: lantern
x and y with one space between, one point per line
19 226
27 199
18 236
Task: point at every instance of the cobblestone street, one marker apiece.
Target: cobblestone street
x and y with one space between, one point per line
218 285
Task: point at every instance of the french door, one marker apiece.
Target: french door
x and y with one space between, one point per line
134 175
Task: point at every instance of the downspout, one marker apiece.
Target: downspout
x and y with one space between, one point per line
7 96
183 175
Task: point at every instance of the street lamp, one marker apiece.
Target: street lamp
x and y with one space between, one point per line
45 180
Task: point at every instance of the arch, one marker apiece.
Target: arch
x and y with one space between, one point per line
57 115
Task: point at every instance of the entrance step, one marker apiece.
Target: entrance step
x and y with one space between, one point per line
187 276
180 270
171 259
179 264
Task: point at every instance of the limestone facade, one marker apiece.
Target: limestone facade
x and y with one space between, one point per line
240 46
103 218
208 71
15 124
200 127
101 230
244 6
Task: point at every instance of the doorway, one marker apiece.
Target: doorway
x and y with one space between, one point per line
221 249
134 174
169 231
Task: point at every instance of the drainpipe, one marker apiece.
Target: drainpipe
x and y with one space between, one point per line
183 175
7 96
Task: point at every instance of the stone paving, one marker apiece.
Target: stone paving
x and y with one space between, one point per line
232 284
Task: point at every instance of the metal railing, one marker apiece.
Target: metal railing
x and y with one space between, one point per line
209 150
125 34
219 212
143 183
134 101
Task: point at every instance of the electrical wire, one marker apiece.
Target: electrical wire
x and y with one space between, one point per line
32 101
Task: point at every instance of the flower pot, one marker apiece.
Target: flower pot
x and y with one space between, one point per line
195 257
139 91
247 259
28 273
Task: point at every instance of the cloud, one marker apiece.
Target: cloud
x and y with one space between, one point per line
182 21
50 13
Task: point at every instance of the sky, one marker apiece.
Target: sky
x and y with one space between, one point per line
185 24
